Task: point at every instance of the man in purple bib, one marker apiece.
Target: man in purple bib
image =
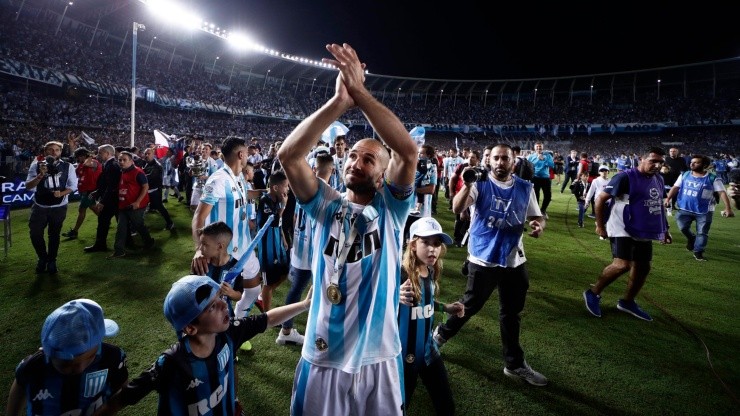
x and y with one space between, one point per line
630 212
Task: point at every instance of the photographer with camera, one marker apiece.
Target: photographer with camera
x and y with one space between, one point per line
462 219
52 180
503 204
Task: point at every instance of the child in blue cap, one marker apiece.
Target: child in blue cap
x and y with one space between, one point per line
196 374
74 372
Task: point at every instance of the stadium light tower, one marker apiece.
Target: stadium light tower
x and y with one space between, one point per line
214 67
62 19
149 50
18 13
136 27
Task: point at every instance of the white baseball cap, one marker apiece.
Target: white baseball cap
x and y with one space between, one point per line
428 227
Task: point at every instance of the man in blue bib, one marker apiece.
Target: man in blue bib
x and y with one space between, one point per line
503 204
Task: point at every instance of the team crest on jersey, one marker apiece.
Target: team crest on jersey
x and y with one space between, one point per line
410 358
223 357
95 382
321 345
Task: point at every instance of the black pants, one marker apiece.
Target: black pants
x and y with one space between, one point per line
461 227
435 197
51 218
512 284
435 379
569 176
155 203
110 210
544 184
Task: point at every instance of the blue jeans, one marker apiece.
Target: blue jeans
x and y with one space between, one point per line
299 279
703 222
581 211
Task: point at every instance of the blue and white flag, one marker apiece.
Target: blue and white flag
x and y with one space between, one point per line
86 137
331 133
418 133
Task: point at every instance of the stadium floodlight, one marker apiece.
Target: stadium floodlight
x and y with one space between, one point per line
173 13
136 27
62 19
241 42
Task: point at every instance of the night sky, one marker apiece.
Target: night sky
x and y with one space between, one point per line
461 40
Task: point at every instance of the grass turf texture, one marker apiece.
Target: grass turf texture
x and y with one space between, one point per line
684 362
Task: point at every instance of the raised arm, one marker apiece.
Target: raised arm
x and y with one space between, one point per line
292 153
404 152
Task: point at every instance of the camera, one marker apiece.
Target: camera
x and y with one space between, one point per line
51 165
475 174
422 166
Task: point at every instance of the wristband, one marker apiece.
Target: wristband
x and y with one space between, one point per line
440 307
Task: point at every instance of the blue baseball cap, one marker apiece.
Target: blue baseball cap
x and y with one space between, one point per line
427 227
74 328
182 306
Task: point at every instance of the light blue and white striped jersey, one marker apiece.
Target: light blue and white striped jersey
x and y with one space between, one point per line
228 196
300 252
430 178
363 328
336 180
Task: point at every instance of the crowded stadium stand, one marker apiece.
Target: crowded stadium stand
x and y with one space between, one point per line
63 73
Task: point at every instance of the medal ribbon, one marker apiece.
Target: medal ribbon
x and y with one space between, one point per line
345 242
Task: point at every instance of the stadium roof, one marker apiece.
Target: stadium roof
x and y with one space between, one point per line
115 18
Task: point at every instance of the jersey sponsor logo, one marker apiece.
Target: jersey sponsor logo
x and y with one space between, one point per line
194 383
360 248
42 395
95 382
203 407
422 312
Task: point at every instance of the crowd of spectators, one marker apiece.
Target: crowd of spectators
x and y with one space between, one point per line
32 115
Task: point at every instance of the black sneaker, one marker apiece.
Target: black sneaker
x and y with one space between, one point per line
71 234
699 256
690 243
169 227
40 266
51 267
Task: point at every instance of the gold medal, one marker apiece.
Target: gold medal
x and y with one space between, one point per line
244 216
333 293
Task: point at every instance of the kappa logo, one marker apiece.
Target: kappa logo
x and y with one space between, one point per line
43 395
194 383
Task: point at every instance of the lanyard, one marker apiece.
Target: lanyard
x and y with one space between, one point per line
345 242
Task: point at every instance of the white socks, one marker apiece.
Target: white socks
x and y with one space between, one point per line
244 305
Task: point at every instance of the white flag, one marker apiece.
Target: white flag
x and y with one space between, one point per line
86 137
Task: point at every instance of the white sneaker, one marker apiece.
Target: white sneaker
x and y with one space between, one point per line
525 373
293 337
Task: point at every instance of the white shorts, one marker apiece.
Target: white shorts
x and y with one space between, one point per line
195 198
252 268
325 391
